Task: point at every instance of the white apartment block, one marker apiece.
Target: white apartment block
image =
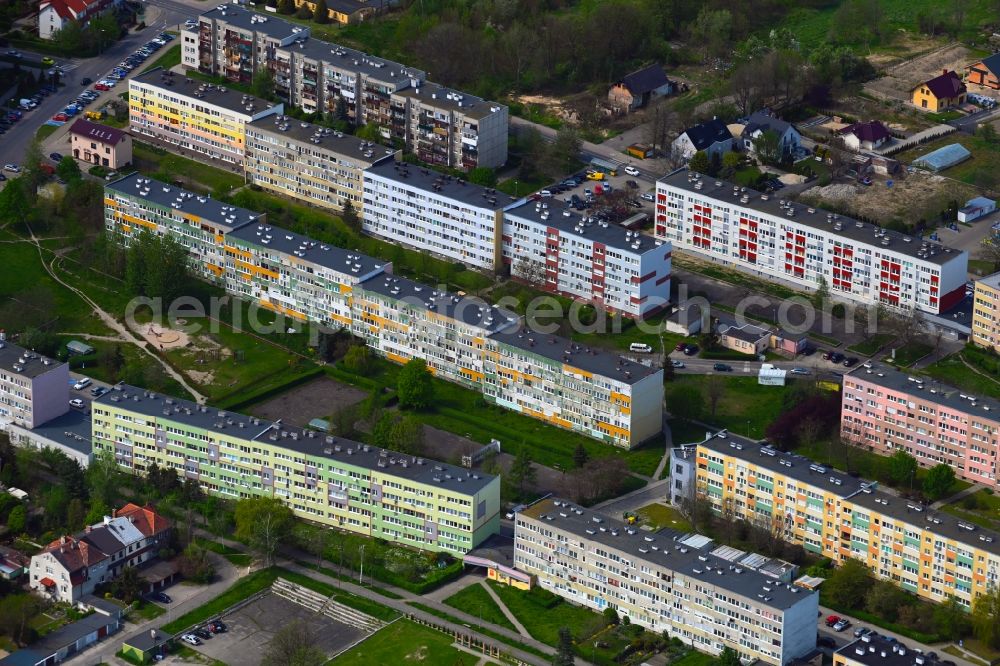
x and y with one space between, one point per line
197 222
454 129
314 164
664 585
294 275
573 255
33 389
782 240
428 211
201 117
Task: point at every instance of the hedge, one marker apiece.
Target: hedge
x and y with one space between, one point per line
241 399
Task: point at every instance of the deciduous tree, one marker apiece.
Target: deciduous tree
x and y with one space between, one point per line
264 523
294 644
415 385
938 481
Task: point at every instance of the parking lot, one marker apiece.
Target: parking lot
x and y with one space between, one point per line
251 628
618 182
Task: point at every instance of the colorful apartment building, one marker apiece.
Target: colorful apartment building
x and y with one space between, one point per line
203 118
425 210
874 649
549 245
933 555
314 164
986 312
33 389
325 479
773 238
662 584
886 410
444 127
197 222
294 275
463 340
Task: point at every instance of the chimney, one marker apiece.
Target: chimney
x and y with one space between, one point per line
944 71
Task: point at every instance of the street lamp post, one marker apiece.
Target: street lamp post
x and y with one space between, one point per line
361 570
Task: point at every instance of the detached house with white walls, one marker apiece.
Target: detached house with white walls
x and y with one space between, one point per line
54 15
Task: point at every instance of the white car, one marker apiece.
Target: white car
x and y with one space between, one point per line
77 403
631 170
677 364
646 196
82 383
191 639
13 168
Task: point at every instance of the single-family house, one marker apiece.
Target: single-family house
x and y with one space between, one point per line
637 89
940 93
746 339
865 136
54 15
711 136
73 566
985 72
789 139
976 208
100 144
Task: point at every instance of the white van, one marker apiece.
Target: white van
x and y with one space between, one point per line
640 347
82 383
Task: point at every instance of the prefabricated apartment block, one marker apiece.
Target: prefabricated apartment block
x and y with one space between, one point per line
442 126
986 312
463 339
33 388
886 410
778 239
204 118
664 585
316 165
198 222
325 479
933 555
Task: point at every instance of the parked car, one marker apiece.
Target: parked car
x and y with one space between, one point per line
836 357
861 631
60 117
55 157
631 170
48 61
76 403
3 177
191 639
690 350
647 196
677 364
799 371
203 634
640 347
13 168
14 54
850 361
97 392
162 597
86 81
217 626
82 383
722 367
843 624
832 620
680 346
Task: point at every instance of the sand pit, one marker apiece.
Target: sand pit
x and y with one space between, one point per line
163 338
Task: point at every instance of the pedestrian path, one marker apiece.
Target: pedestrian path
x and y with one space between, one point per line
506 611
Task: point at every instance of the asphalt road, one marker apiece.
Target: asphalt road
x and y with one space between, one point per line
15 142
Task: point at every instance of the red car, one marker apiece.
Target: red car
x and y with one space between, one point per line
832 620
100 87
61 117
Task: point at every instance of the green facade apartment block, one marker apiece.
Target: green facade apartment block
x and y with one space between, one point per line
331 481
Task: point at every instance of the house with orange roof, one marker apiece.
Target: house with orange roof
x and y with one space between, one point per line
53 15
71 567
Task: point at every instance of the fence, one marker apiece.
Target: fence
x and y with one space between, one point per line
919 138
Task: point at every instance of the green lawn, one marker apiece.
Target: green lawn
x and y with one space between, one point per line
980 267
45 131
542 620
236 557
520 187
659 516
872 345
685 432
403 642
694 658
945 116
170 57
980 170
478 629
146 610
981 508
907 355
745 406
951 370
475 601
158 163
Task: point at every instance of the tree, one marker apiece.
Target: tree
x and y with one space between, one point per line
195 564
265 523
484 176
565 655
16 611
111 359
986 617
68 169
400 433
902 468
128 585
286 7
370 132
31 165
611 617
262 83
822 293
700 162
415 385
17 519
321 14
767 146
884 600
522 472
294 644
76 514
350 216
580 456
564 150
15 203
938 481
848 584
357 360
156 266
728 657
712 30
715 388
685 402
951 620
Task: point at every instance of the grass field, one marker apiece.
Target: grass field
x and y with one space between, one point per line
684 432
981 508
907 355
659 516
404 641
951 370
475 601
45 131
979 170
543 621
872 345
745 406
170 57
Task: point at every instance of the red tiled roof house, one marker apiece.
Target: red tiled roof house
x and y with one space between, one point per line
72 566
100 144
53 15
